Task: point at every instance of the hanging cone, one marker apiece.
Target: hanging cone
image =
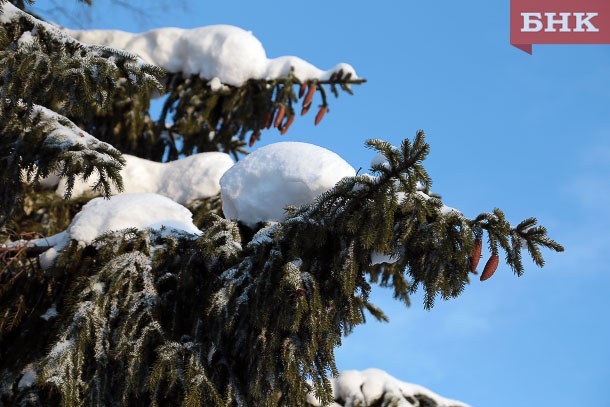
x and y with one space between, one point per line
268 120
321 114
280 116
287 124
476 255
309 97
254 137
305 109
302 90
490 267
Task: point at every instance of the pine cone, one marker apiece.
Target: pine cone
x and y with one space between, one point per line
309 97
305 109
254 137
490 267
321 114
268 120
280 116
476 255
287 124
302 90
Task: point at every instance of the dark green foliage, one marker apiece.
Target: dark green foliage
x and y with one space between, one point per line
206 119
236 316
36 142
246 317
73 79
40 66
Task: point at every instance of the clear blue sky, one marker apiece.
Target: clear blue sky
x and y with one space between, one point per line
528 134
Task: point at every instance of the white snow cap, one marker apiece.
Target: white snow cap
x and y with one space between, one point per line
228 53
366 388
260 186
193 177
100 215
140 211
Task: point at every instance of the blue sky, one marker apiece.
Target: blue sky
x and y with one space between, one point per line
528 134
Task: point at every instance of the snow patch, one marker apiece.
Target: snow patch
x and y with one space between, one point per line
64 135
264 235
140 211
100 215
98 288
193 177
381 160
26 39
8 13
380 258
229 53
368 387
29 377
50 313
259 187
60 347
446 210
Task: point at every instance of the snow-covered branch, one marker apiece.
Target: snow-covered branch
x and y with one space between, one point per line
223 53
36 142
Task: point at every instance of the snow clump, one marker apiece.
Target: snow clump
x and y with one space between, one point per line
376 387
184 180
259 187
229 53
100 215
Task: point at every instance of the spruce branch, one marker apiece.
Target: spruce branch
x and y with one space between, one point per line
244 316
37 142
54 70
211 119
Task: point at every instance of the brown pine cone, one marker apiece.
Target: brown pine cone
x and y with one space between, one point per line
280 116
321 114
476 255
309 97
254 138
490 267
302 90
286 125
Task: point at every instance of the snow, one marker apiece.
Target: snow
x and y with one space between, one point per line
264 235
25 39
50 313
9 13
216 86
193 177
229 53
446 210
64 135
365 388
47 259
100 215
29 377
259 187
60 347
380 258
381 160
140 211
98 288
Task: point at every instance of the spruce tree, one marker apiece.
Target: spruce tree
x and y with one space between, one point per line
239 313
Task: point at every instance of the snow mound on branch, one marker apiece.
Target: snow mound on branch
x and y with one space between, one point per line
140 211
193 177
228 53
100 215
64 133
376 387
260 186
